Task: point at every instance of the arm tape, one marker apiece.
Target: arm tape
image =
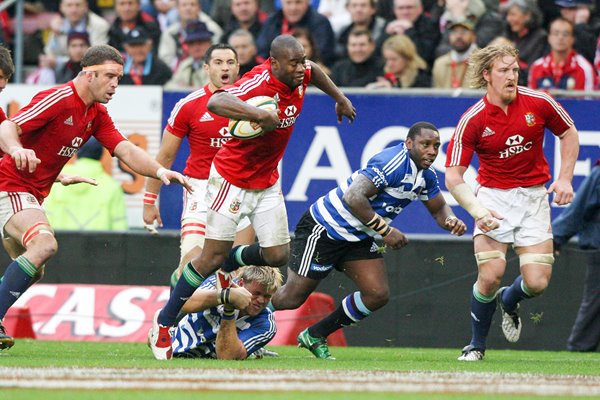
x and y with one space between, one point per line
467 200
378 224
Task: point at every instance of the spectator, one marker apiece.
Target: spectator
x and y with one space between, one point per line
450 70
293 14
583 217
336 12
404 68
245 14
362 14
563 67
171 49
130 16
412 22
220 11
362 65
243 43
141 66
488 23
524 21
77 45
87 207
307 41
165 13
75 16
586 32
190 74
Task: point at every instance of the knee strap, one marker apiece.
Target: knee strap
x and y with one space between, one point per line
536 258
485 256
37 229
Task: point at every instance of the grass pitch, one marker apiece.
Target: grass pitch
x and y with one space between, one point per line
127 357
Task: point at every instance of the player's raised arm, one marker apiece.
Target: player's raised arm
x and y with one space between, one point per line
343 106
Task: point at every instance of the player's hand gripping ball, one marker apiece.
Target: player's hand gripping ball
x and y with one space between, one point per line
250 129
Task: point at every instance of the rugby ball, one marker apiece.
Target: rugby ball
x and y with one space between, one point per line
249 129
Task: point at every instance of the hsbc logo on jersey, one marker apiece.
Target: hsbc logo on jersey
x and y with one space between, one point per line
219 142
290 112
69 151
515 146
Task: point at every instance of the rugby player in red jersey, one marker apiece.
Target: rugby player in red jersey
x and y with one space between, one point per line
244 181
506 131
38 141
206 133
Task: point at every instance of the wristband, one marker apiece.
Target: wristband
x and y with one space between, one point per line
378 224
160 172
224 296
228 315
150 198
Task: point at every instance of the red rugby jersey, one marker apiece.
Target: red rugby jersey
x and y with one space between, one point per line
509 146
55 124
252 163
206 132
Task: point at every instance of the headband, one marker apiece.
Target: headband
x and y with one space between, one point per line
102 67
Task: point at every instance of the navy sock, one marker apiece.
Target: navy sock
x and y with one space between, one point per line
16 280
482 311
251 255
351 310
189 281
514 294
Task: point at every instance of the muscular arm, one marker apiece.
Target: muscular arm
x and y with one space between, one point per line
11 144
169 147
357 199
228 344
569 150
343 106
443 215
229 106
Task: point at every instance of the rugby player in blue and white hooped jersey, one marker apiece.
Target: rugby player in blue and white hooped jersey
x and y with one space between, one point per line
209 331
340 228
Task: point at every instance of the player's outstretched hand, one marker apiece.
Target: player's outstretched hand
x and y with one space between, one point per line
67 180
563 191
167 176
239 297
395 239
25 159
489 222
455 226
345 109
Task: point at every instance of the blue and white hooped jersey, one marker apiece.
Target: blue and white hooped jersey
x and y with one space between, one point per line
196 333
399 182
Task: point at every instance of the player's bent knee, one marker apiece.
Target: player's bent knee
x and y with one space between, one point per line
486 256
546 259
276 258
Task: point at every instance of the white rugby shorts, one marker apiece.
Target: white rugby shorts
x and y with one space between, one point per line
229 205
13 202
194 205
526 212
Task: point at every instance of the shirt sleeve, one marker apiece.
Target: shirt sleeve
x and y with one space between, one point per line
41 110
178 123
262 329
432 186
105 130
463 142
557 119
384 169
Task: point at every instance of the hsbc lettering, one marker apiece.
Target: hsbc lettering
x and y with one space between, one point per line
67 151
513 150
285 122
218 142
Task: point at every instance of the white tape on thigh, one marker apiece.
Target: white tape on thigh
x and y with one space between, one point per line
485 256
189 241
536 258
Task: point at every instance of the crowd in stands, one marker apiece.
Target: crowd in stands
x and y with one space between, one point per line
360 43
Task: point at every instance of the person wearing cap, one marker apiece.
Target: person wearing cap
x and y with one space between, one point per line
171 49
190 73
142 67
129 16
104 204
562 67
586 30
450 70
45 74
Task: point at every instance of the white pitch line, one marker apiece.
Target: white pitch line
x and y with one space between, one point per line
306 381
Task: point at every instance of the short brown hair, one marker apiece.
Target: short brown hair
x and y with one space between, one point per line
6 63
99 54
